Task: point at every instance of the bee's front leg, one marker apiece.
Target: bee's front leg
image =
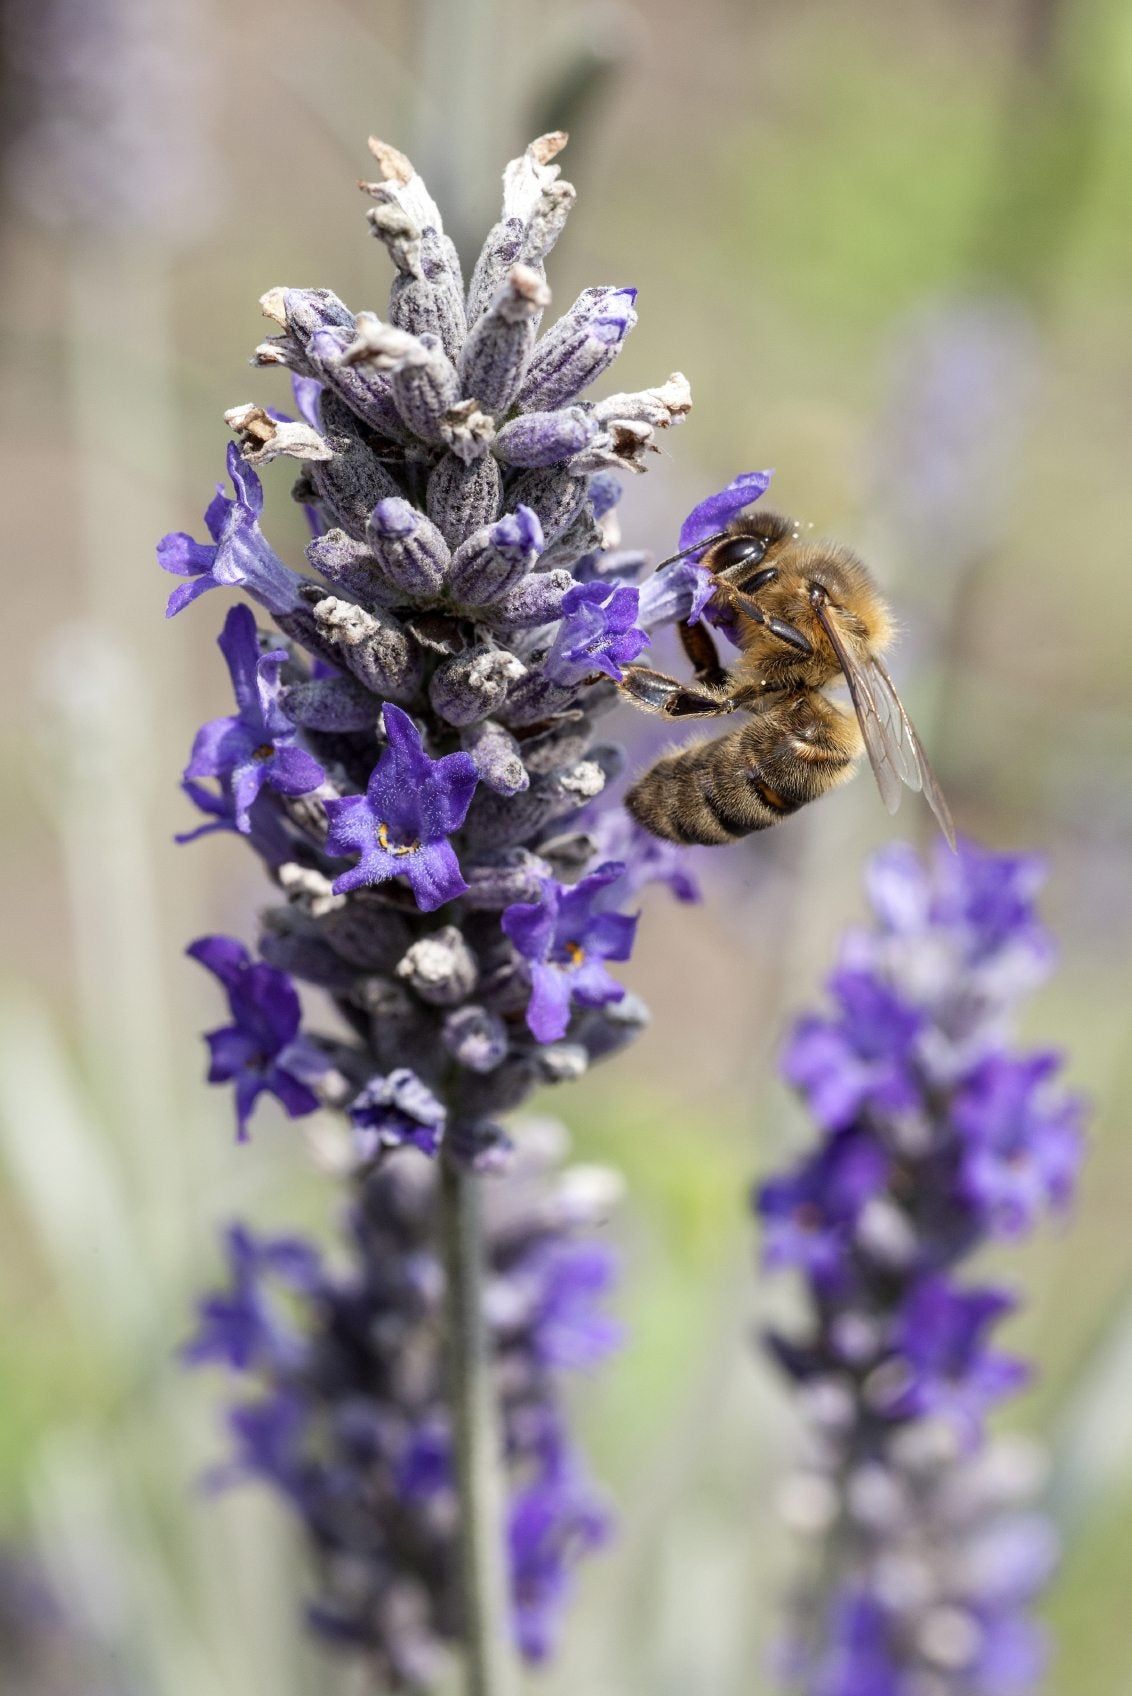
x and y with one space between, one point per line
669 697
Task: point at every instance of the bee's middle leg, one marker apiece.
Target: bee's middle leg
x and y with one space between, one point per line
697 642
667 696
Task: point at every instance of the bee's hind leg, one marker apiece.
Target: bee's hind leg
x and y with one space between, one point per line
669 697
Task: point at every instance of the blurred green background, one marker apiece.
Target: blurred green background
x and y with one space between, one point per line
889 242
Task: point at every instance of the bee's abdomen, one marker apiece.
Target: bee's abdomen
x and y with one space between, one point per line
718 791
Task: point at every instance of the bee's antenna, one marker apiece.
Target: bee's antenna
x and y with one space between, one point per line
696 547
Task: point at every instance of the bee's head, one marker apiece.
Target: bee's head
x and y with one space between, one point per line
781 582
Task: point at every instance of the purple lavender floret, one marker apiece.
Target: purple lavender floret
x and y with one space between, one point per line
239 555
342 1409
401 825
934 1136
598 633
259 744
397 1111
261 1052
565 937
247 1326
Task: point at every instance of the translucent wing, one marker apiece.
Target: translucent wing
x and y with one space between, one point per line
895 751
925 776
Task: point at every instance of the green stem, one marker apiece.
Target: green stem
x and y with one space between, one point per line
489 1665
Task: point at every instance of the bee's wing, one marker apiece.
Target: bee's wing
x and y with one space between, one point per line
912 748
895 752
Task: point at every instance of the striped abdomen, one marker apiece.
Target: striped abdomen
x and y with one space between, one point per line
752 778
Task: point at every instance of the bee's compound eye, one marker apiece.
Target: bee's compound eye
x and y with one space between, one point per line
742 550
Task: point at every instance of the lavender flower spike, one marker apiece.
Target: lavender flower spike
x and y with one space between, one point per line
933 1137
419 739
258 745
402 823
342 1403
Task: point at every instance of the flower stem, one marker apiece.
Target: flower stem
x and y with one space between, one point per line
489 1667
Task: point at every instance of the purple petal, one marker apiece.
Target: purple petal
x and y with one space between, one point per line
716 512
239 644
351 825
434 874
231 1051
592 985
179 554
249 489
293 771
530 924
221 955
548 1010
188 592
218 747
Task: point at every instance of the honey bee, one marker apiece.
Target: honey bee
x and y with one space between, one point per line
803 613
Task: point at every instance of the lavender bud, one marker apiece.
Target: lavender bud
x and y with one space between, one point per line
552 494
578 348
495 822
562 745
411 553
604 493
440 968
366 390
366 933
346 563
494 358
463 498
536 600
514 875
535 207
303 956
502 249
330 703
545 438
470 686
303 311
476 1038
496 558
580 539
377 650
425 386
353 481
497 757
535 698
428 294
431 304
607 1030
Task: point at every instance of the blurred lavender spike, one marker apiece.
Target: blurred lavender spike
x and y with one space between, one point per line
935 1136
